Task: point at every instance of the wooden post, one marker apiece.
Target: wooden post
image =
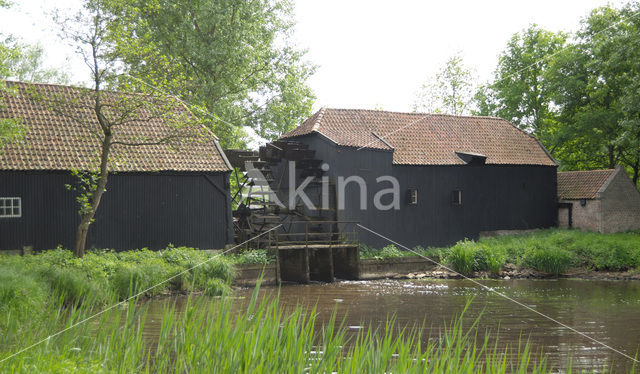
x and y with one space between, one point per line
278 277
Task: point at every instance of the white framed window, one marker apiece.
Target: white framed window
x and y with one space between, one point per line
10 207
412 196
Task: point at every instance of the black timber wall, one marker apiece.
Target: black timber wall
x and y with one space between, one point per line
138 210
495 197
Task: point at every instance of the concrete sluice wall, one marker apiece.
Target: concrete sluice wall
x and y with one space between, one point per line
248 275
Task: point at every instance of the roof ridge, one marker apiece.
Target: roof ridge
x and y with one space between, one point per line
609 179
316 124
585 171
75 87
45 84
417 113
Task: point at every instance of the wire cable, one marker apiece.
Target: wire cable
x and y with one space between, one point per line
132 297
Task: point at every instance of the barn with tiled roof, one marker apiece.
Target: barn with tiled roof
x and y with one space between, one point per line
169 182
458 176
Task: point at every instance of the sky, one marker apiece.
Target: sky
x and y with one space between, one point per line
369 54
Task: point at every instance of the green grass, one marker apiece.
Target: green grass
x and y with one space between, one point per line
252 257
219 336
29 283
551 251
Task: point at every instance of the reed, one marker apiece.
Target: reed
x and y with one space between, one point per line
217 335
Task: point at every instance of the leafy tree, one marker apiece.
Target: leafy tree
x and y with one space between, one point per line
519 91
449 91
591 81
25 63
232 58
627 44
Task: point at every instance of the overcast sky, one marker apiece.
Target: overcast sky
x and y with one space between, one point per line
369 53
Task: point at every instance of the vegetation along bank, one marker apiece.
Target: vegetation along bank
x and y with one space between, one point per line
553 252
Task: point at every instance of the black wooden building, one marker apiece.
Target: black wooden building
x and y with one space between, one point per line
459 176
173 192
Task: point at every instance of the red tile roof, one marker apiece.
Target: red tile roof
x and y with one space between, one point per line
61 127
582 184
427 139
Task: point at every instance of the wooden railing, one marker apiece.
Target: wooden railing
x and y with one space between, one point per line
304 234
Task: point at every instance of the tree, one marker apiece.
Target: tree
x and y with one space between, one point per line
22 62
232 58
591 80
519 91
25 63
107 114
449 91
627 45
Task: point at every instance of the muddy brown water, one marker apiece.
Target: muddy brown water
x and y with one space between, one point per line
608 311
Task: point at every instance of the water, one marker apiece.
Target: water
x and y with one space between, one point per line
608 311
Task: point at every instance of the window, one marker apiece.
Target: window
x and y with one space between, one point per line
10 207
456 197
412 196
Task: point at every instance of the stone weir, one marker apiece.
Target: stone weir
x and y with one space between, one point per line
317 251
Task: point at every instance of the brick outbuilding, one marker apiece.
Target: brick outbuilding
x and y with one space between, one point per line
598 200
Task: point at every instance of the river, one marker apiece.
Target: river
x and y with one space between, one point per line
608 311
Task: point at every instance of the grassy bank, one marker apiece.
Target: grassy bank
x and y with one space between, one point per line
212 336
549 251
30 285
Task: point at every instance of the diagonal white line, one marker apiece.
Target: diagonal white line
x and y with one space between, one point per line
188 106
381 138
503 295
133 297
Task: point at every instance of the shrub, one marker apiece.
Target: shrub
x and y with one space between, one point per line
181 256
429 252
21 293
614 257
460 257
549 260
132 278
391 251
127 280
487 259
215 268
72 287
216 287
368 252
253 257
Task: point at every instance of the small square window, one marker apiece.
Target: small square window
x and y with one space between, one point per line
10 207
456 197
412 196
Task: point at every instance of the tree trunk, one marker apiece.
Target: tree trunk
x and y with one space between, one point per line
101 184
612 157
81 236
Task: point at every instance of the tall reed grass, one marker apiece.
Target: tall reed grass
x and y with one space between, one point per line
214 336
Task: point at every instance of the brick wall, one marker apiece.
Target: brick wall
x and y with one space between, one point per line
584 217
620 205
